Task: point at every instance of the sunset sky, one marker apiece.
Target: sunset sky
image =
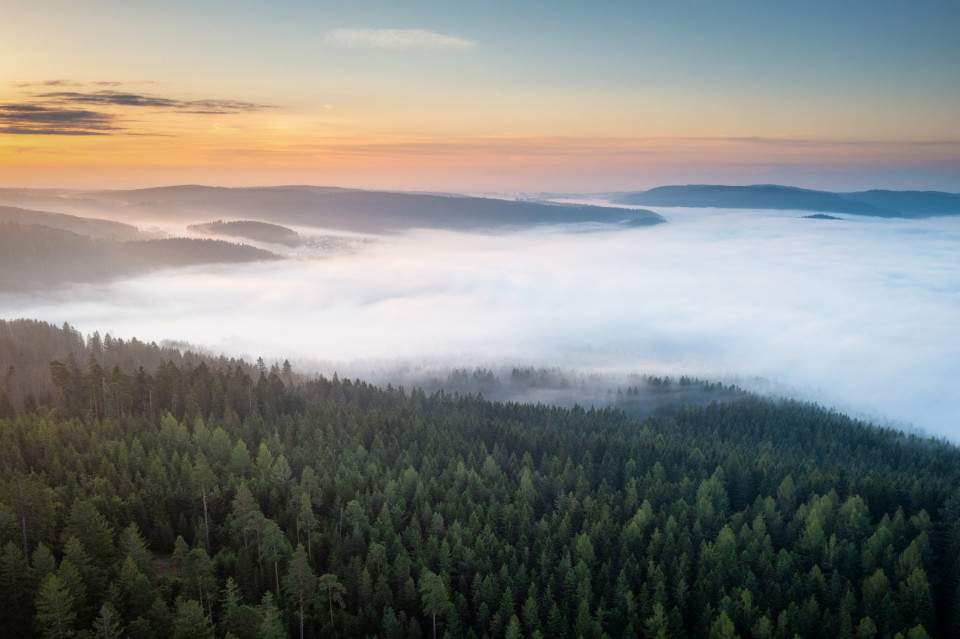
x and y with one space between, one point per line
480 96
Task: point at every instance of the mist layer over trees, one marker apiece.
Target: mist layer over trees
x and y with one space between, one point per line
858 313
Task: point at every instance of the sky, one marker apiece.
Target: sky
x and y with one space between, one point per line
480 97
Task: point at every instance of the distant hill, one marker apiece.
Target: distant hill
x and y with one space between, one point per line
251 230
911 203
871 203
102 229
373 211
329 208
35 256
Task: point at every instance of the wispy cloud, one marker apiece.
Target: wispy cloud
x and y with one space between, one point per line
102 112
396 39
120 98
46 83
33 119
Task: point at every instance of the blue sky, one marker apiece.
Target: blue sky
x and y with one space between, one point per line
488 96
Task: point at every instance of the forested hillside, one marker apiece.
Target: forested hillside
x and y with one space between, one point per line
92 227
377 212
251 230
162 494
35 256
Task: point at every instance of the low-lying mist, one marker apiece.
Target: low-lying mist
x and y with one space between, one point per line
860 314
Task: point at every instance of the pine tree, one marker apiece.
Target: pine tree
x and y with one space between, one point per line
300 583
54 603
271 624
107 624
433 593
190 621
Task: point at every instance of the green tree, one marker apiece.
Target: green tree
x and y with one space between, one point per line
240 463
107 624
918 632
207 481
16 588
235 617
70 577
433 594
200 581
42 562
723 628
307 523
92 530
275 548
530 613
876 597
133 544
390 626
54 603
656 624
136 593
300 583
513 629
32 508
247 517
914 598
867 629
330 586
271 622
190 621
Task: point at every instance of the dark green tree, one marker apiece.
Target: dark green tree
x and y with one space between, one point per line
54 604
433 594
300 583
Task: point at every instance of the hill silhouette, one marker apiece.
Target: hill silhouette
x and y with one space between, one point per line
770 196
379 212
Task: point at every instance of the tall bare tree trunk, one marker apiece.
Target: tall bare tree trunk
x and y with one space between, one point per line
206 520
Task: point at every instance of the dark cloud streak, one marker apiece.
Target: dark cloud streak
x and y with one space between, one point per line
118 98
57 112
32 119
47 83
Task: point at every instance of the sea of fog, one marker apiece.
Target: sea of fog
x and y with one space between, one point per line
860 314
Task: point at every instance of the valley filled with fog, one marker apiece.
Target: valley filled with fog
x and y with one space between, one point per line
855 313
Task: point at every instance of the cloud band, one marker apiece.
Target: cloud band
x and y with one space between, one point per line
396 39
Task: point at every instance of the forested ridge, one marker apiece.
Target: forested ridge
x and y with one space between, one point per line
150 492
34 256
377 212
252 230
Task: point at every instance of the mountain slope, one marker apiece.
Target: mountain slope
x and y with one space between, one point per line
35 256
93 227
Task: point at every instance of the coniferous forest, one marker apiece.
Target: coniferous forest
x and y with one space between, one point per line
149 492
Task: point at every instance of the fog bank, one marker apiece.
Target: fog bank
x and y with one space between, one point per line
860 314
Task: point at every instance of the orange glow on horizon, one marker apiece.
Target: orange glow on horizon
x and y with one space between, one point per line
236 152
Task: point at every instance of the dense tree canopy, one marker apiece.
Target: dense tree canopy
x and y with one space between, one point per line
156 493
